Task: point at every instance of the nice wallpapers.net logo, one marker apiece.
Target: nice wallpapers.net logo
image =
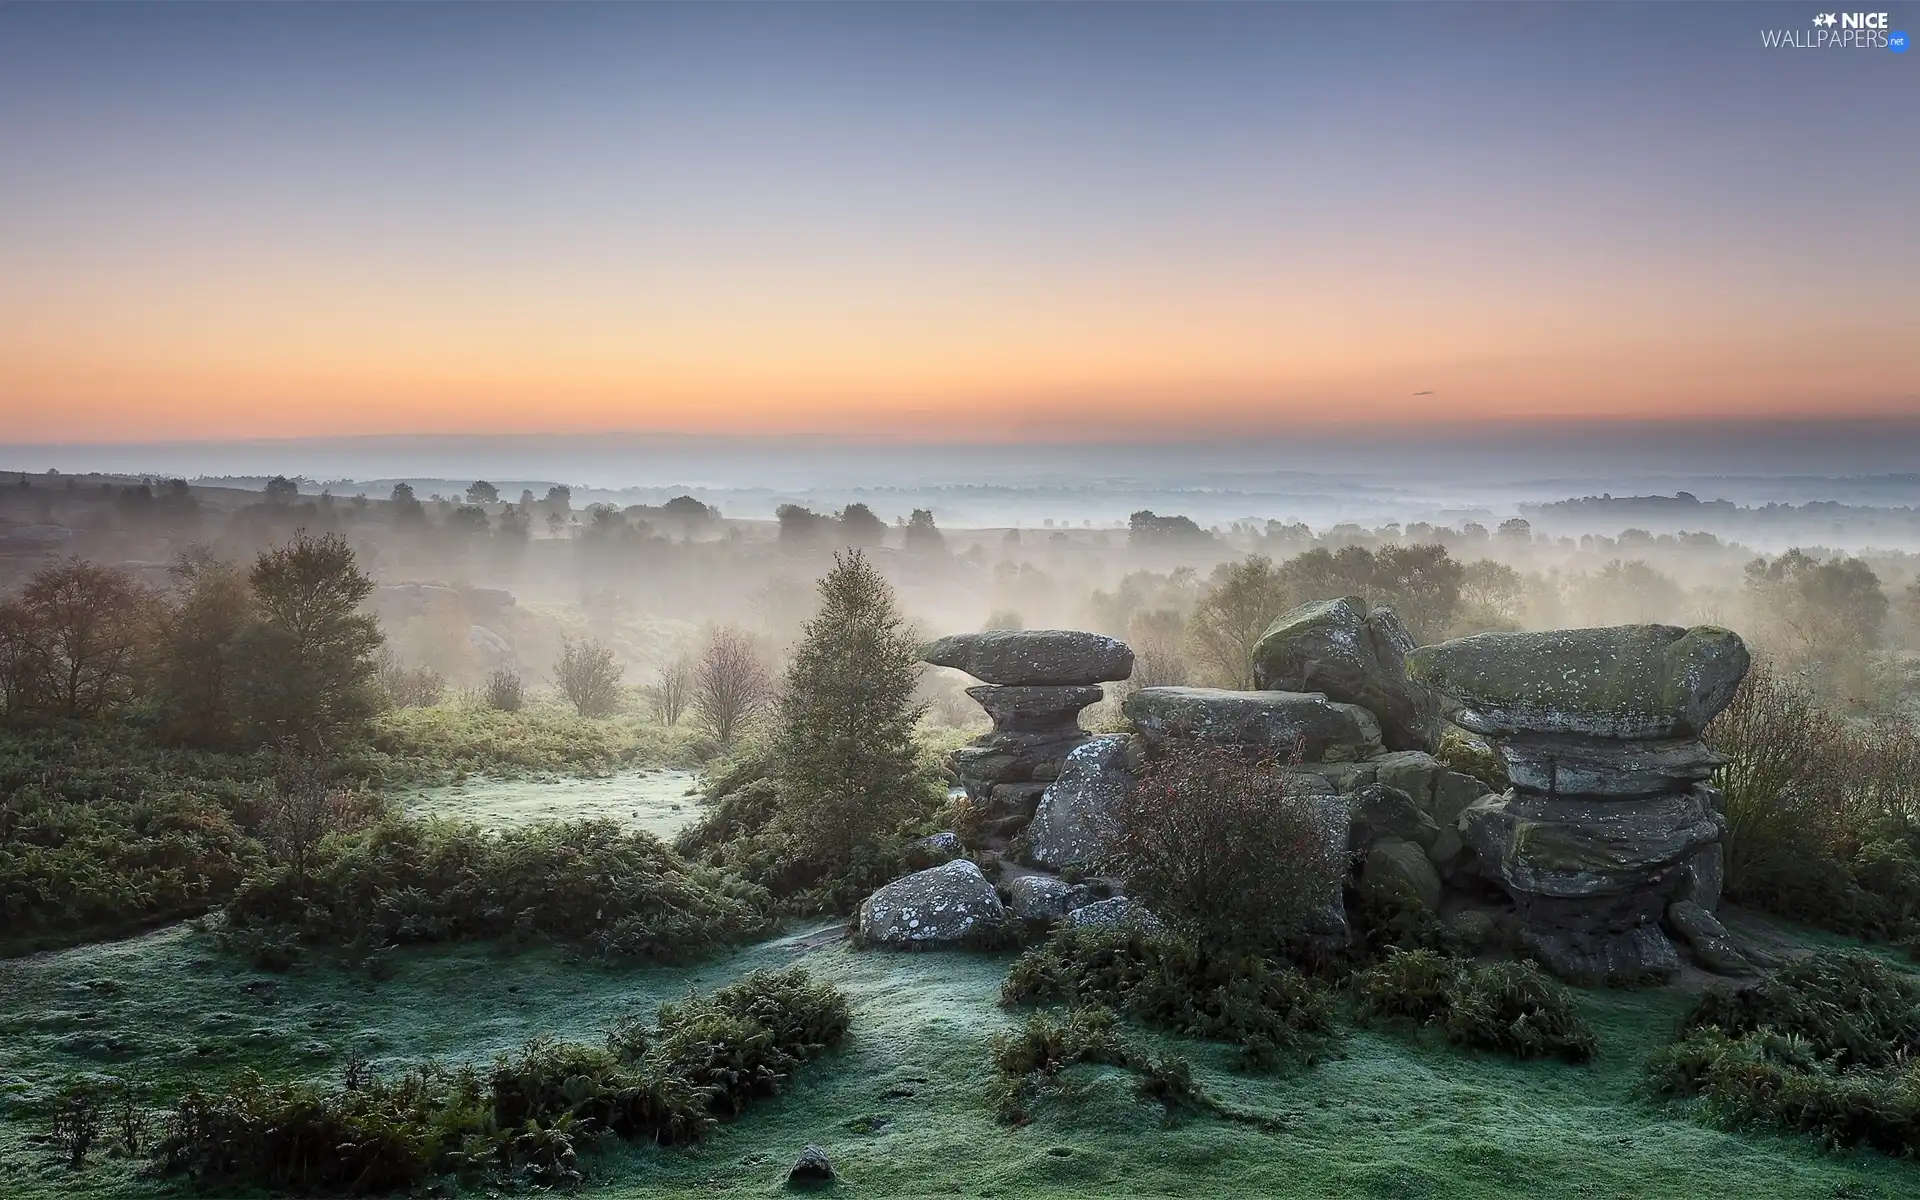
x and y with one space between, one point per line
1839 31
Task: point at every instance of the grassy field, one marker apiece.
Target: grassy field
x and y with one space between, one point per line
900 1110
661 801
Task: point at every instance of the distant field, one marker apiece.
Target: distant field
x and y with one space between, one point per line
660 801
900 1110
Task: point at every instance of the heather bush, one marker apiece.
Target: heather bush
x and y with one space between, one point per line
589 677
1202 839
503 691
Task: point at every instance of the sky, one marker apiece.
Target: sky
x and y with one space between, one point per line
945 223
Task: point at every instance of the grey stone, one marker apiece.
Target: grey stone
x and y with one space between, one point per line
1268 723
1380 812
1438 790
1027 657
1446 849
811 1169
1040 898
1616 958
1707 939
1074 824
1702 878
1626 681
1590 766
1034 709
1120 912
1014 757
1394 867
1474 927
951 904
1355 655
945 844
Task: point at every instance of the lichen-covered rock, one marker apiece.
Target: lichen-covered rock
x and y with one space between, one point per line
1074 825
1626 681
1438 790
1033 709
1631 957
1120 912
1702 877
1708 940
1397 868
940 906
1355 655
811 1169
1380 812
1590 766
1039 899
938 847
1030 657
1014 757
1474 927
1267 723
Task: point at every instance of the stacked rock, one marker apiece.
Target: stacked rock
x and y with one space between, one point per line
1355 653
1036 683
1610 819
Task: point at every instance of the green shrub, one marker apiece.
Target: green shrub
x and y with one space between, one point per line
1850 1009
522 1119
1028 1059
1511 1007
100 833
1170 983
592 884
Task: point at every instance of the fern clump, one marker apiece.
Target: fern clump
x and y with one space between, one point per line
1828 1045
526 1117
1170 983
1511 1007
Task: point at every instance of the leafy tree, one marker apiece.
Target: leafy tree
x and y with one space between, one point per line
845 752
800 526
407 509
84 621
281 490
689 510
1146 529
1492 595
200 642
1229 618
860 527
1517 529
1631 592
310 658
1823 618
922 537
482 492
467 523
1421 583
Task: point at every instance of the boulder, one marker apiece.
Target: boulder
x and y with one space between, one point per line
811 1169
939 847
1638 954
1354 655
489 647
1394 867
1591 766
1015 757
1273 724
1702 877
1707 939
1040 898
1074 825
1637 682
1380 812
1034 709
946 905
1029 657
1474 927
1120 912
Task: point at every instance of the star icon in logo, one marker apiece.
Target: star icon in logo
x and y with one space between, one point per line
1827 19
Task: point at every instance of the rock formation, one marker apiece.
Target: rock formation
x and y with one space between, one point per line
1073 825
1354 655
940 906
1610 818
1285 725
1036 683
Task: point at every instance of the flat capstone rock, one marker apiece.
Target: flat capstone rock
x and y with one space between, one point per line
1272 724
1034 657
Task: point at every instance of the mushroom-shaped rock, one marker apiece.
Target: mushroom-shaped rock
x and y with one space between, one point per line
1273 723
952 904
1028 709
1636 682
1034 657
1074 825
1355 655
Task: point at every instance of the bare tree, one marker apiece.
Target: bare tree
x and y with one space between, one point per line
731 685
673 690
588 675
302 808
